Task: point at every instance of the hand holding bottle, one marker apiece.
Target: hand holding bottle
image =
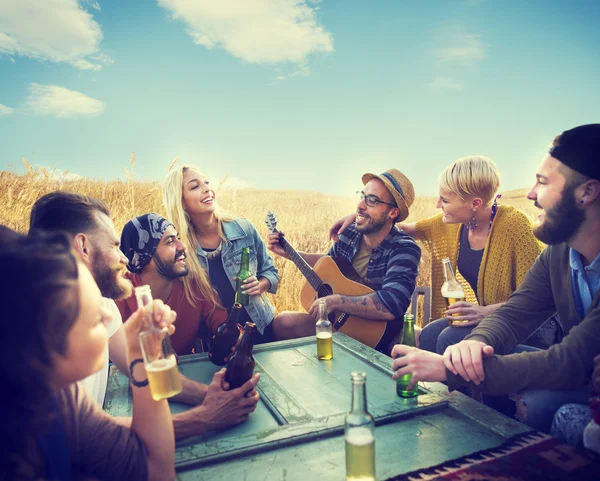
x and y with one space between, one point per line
252 286
223 407
420 365
466 314
163 317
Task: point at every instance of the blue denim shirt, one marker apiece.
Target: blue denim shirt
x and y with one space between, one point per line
585 281
240 233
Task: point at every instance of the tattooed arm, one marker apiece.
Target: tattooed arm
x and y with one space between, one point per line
391 300
368 306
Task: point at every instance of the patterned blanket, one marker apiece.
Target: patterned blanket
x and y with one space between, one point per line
526 457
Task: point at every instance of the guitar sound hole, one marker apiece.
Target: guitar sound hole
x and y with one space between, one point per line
325 290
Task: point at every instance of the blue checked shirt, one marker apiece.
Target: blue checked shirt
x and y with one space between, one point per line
392 269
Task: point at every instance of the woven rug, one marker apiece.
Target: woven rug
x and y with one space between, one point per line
527 457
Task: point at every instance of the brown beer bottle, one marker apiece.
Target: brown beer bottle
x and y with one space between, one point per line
226 337
241 365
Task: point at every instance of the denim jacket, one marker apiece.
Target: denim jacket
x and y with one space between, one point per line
240 233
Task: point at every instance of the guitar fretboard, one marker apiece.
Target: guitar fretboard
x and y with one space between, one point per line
297 259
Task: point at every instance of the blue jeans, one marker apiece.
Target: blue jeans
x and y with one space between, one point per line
536 408
438 335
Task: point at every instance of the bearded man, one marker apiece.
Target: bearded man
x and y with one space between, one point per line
87 220
565 279
157 258
385 259
95 241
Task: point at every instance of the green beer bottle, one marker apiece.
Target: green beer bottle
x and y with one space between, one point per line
242 275
408 339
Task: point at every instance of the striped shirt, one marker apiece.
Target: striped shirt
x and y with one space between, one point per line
393 266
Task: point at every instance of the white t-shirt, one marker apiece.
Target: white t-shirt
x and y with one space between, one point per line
96 384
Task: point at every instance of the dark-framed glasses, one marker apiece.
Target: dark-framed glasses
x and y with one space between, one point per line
372 200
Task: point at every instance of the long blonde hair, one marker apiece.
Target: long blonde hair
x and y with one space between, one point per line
172 196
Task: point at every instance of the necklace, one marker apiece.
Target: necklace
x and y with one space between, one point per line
213 254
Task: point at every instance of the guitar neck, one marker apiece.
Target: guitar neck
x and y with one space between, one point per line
301 264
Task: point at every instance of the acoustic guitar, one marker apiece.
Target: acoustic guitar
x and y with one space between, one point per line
332 275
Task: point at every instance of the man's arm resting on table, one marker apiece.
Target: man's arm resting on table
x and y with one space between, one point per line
193 392
194 422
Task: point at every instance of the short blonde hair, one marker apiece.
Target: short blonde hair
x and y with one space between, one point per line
472 176
172 195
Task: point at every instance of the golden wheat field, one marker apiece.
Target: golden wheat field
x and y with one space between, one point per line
304 216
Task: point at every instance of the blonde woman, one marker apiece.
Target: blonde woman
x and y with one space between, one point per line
217 239
490 246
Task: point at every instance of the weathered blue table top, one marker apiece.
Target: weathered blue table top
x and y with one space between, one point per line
296 432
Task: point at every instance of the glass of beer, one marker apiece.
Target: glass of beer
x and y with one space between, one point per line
452 290
159 358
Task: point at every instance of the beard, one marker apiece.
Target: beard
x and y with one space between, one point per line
168 269
374 225
562 221
110 282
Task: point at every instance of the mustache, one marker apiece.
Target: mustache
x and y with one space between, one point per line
535 202
179 253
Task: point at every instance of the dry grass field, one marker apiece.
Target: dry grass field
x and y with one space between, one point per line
304 216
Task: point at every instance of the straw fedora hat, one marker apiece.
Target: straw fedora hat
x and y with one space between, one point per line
399 186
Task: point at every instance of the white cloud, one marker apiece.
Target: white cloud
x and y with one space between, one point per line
5 110
256 31
445 83
460 48
54 30
302 71
92 4
61 103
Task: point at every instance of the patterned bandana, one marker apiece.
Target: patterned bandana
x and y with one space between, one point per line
140 237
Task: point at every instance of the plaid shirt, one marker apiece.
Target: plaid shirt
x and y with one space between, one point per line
392 269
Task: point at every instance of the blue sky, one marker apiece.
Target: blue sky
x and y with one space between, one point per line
294 94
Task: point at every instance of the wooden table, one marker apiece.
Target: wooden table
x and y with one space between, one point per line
296 432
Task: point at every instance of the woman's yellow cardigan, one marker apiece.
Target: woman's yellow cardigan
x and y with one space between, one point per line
509 252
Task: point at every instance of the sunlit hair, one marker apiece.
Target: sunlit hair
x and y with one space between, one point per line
40 306
472 176
172 195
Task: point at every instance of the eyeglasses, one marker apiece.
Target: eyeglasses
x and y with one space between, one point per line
372 200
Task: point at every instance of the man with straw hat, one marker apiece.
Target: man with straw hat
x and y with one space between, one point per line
385 258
